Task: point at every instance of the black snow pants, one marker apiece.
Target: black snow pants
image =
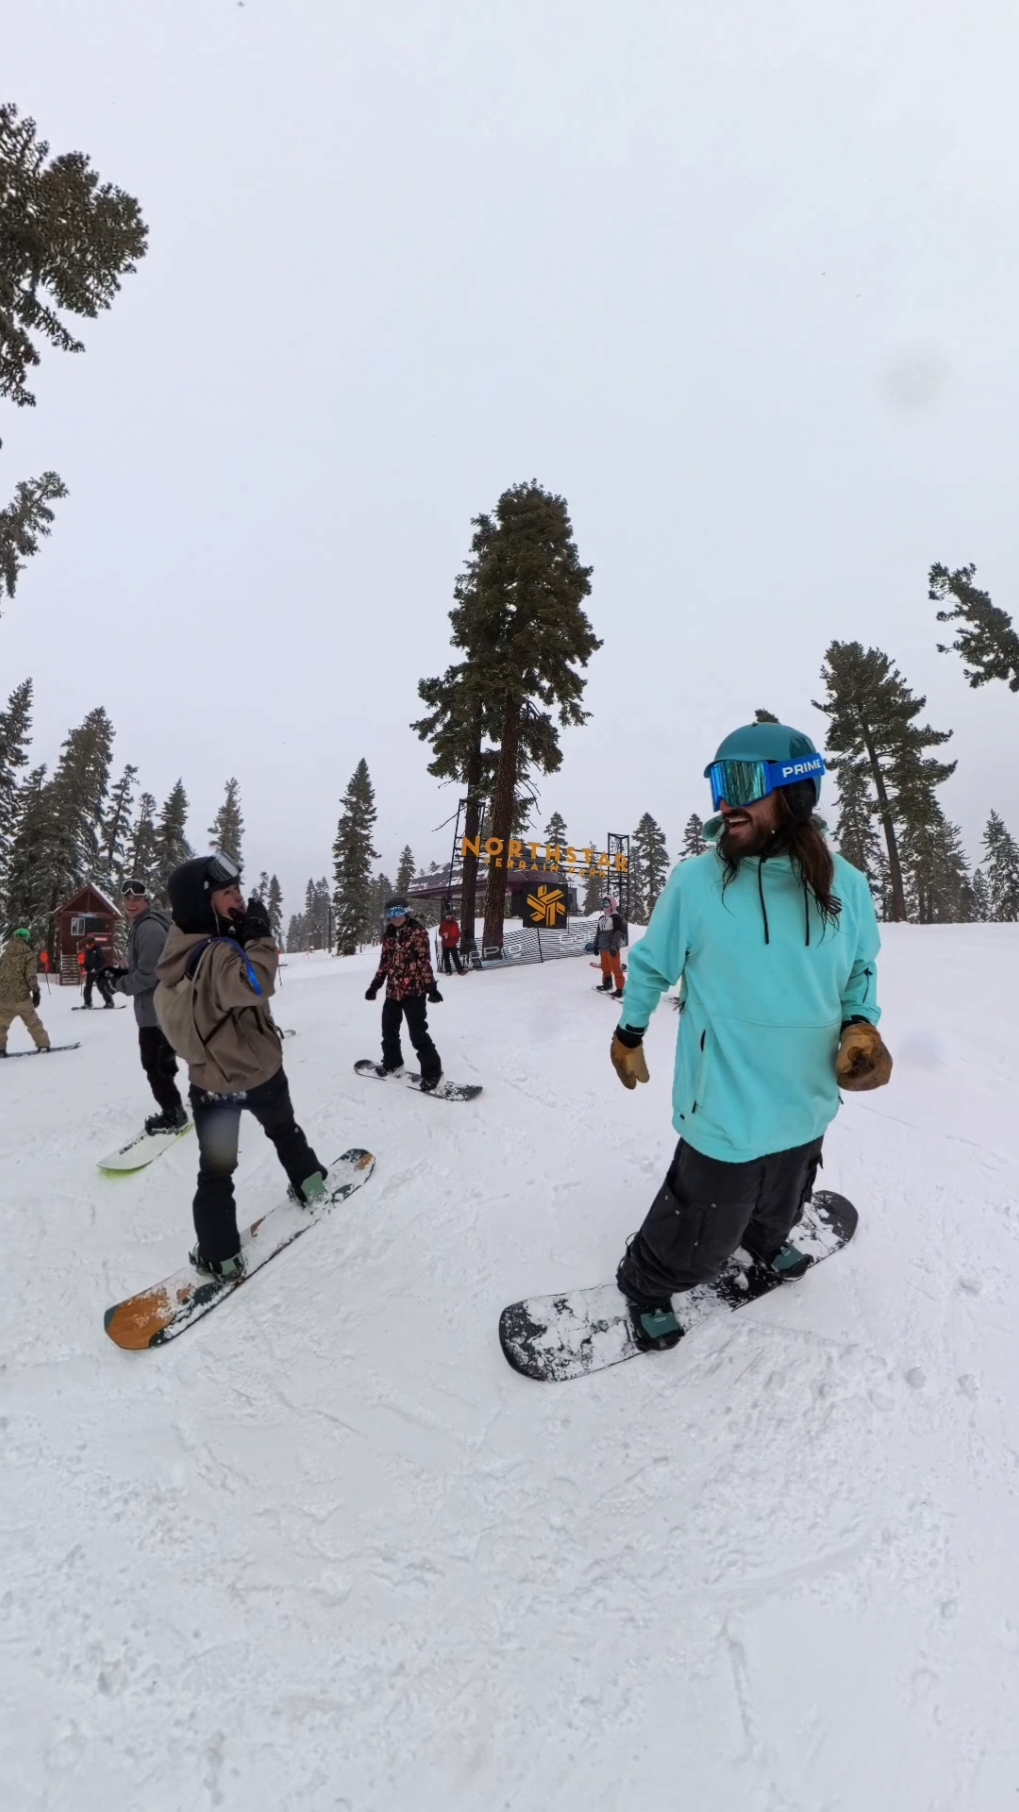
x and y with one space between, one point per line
451 960
159 1061
706 1208
414 1010
218 1124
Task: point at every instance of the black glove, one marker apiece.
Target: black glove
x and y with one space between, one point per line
115 974
371 992
434 996
36 997
252 923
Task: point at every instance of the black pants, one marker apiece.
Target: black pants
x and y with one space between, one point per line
218 1125
415 1012
706 1208
451 960
101 981
160 1065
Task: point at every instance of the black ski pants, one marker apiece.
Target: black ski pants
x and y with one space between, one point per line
706 1208
159 1061
414 1011
102 982
218 1125
451 960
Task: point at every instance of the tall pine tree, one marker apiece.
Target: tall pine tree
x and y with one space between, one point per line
274 903
140 856
171 845
116 829
855 832
15 731
227 828
1001 868
986 640
353 855
58 844
872 719
647 848
693 843
405 872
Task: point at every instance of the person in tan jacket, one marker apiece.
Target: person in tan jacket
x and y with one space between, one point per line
19 991
216 974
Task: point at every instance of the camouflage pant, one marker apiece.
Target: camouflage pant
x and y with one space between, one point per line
22 1009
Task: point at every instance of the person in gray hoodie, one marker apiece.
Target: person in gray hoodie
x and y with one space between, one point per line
149 932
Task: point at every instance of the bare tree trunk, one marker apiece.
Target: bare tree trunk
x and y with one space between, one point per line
885 815
472 822
504 799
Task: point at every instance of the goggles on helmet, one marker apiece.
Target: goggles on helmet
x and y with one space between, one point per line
743 782
396 912
222 869
135 890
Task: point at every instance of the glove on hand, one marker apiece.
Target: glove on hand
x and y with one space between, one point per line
36 997
628 1061
863 1059
253 922
371 992
434 996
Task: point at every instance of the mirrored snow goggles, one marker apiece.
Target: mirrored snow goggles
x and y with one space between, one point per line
135 890
743 782
222 869
396 912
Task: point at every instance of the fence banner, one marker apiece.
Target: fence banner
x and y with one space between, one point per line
522 945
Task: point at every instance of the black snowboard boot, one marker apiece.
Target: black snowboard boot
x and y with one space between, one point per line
230 1269
428 1083
788 1262
172 1119
655 1327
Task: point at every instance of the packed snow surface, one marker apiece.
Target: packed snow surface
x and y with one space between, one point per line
327 1552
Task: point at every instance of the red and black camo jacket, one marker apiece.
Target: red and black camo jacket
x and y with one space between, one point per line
406 964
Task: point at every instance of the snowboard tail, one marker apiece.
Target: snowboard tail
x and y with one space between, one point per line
140 1151
553 1338
156 1315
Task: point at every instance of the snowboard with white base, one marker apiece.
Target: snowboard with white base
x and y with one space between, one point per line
142 1150
156 1315
443 1090
579 1331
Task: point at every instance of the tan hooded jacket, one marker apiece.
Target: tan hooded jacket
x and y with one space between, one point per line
19 966
233 1023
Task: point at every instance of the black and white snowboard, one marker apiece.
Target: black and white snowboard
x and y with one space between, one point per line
117 1007
154 1316
580 1331
141 1150
45 1052
443 1090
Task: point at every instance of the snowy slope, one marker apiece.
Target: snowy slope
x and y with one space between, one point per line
327 1552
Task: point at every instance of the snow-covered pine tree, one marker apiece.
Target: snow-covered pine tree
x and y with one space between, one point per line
639 913
295 932
648 843
274 901
1001 868
171 845
938 890
140 855
405 871
981 896
29 862
382 890
58 843
227 828
555 831
116 830
596 887
693 843
15 730
353 856
987 641
855 830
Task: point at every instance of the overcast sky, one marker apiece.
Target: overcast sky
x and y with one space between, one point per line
738 281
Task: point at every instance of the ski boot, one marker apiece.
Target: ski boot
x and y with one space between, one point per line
655 1328
231 1270
172 1119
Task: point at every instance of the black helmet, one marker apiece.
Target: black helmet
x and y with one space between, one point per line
191 887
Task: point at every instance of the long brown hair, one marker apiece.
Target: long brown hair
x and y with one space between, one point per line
803 840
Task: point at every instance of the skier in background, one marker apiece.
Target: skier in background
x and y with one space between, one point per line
608 941
149 932
97 972
19 990
776 941
215 978
406 968
449 937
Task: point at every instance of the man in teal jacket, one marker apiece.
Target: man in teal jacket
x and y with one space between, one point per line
776 941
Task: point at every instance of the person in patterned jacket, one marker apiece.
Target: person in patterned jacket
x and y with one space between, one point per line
406 969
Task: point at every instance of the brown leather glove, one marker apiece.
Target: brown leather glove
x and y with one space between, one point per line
629 1062
863 1060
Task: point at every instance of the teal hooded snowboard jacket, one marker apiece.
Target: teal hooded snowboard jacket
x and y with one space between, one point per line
766 989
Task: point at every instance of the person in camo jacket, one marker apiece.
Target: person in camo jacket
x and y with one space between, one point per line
19 991
406 969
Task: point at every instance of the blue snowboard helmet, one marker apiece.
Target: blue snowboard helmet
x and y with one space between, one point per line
756 759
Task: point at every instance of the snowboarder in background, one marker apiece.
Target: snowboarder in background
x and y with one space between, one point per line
608 941
406 968
215 978
19 990
449 938
776 942
148 934
97 972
